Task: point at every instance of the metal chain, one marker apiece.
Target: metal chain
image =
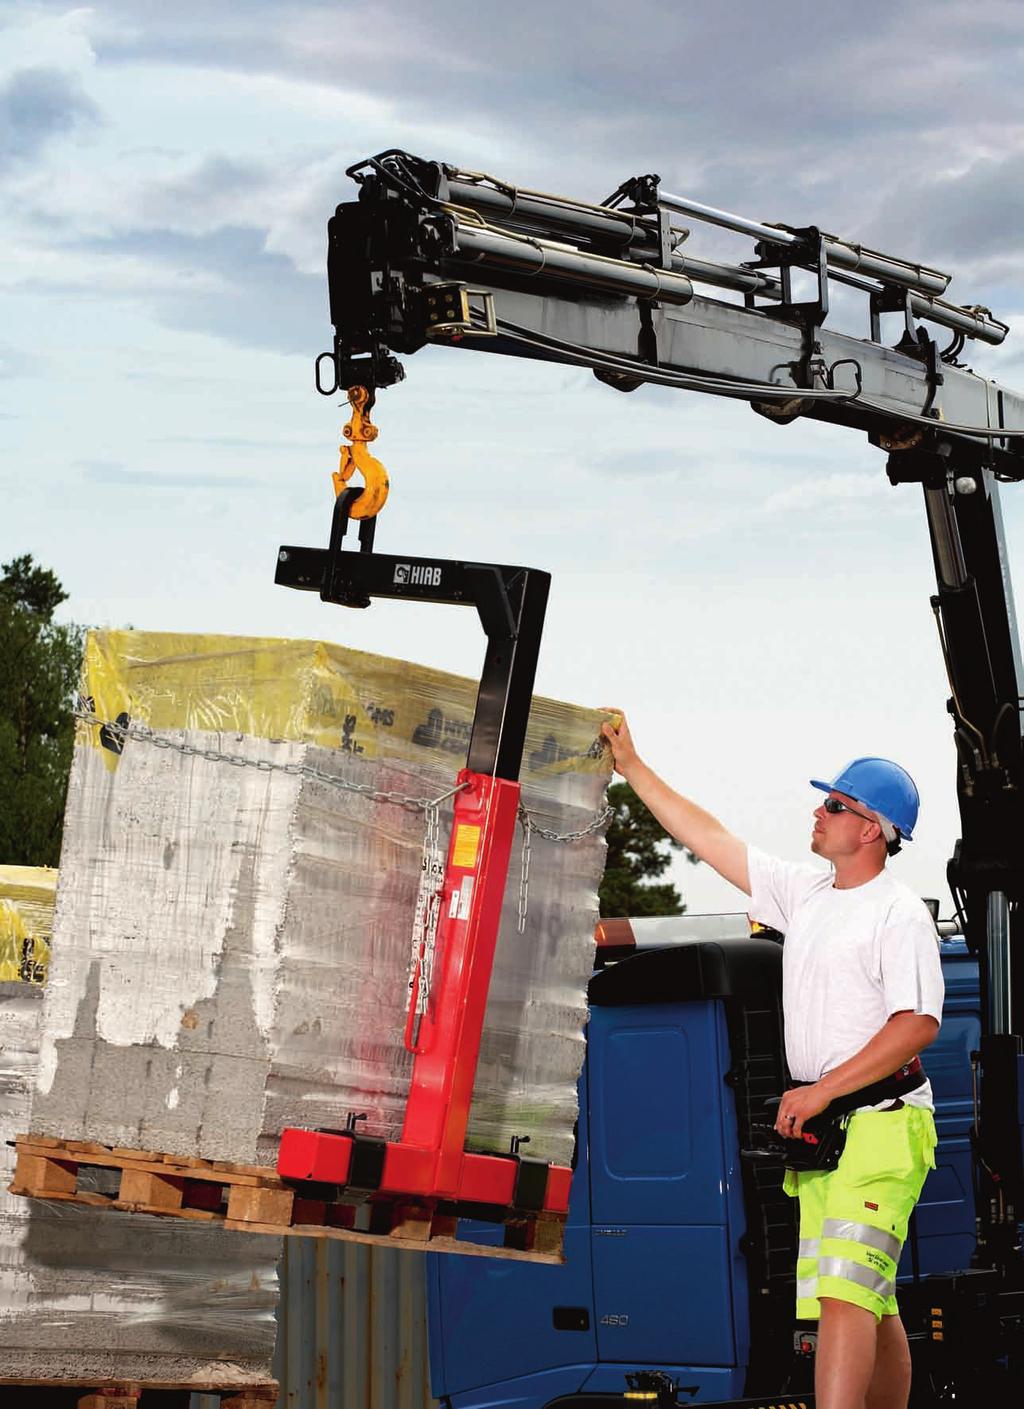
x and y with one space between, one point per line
529 826
425 923
524 871
594 825
143 734
425 920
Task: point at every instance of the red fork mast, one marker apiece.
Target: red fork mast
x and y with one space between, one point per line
429 1161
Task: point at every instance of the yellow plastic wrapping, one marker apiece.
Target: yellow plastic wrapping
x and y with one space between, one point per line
312 692
26 922
234 915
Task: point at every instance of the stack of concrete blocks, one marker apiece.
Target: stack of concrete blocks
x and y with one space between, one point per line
87 1295
234 921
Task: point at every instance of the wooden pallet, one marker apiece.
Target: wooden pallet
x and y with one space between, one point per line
253 1199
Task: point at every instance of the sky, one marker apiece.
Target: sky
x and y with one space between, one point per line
755 597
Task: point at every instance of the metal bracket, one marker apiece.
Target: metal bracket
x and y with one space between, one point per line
642 192
448 311
379 369
891 299
809 252
914 341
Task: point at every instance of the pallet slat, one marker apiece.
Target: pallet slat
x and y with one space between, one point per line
439 1243
104 1157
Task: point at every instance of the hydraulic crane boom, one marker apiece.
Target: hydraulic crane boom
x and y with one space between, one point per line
424 256
429 253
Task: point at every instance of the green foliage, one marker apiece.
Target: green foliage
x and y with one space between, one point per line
638 848
39 668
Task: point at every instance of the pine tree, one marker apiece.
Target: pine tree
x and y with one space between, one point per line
40 661
638 848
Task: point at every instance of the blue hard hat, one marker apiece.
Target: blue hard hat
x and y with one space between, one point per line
882 786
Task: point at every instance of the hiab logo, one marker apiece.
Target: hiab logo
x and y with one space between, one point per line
420 575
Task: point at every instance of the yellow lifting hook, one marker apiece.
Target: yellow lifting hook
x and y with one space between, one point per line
360 430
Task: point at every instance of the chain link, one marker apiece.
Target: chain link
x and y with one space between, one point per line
428 901
524 871
529 826
425 920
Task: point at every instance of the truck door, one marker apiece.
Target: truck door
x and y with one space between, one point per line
662 1286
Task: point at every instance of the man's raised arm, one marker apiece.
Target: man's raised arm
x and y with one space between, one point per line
703 834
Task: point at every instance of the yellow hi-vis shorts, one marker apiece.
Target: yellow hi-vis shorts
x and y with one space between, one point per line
853 1219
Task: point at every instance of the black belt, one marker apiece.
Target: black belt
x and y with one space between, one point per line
908 1078
821 1145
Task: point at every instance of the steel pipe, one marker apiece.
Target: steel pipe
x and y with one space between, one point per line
528 208
729 276
916 277
997 939
713 216
839 253
635 235
534 256
973 322
631 232
949 554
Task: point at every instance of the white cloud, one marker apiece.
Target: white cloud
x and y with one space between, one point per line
834 491
35 37
166 272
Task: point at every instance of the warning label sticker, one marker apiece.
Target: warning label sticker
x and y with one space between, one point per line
467 844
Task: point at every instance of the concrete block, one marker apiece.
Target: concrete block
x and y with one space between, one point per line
234 912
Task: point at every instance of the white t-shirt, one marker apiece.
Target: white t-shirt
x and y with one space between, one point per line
851 959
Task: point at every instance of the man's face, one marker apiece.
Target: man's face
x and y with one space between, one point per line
838 834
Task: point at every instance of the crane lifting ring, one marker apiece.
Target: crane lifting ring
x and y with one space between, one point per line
360 430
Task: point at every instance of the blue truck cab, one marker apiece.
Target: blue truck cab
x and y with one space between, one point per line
680 1253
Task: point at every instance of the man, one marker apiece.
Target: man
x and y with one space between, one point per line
862 996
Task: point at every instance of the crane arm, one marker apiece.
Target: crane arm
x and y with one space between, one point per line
432 254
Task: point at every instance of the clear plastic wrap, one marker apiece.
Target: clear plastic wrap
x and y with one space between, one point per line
109 1295
232 942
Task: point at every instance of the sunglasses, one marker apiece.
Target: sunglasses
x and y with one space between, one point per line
833 805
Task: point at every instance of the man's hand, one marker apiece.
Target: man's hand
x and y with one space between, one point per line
620 741
800 1105
703 834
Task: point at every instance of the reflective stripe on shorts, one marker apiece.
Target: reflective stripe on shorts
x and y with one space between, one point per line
846 1270
864 1233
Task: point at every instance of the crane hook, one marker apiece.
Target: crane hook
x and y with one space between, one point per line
360 430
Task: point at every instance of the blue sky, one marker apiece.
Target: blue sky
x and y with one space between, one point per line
755 597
